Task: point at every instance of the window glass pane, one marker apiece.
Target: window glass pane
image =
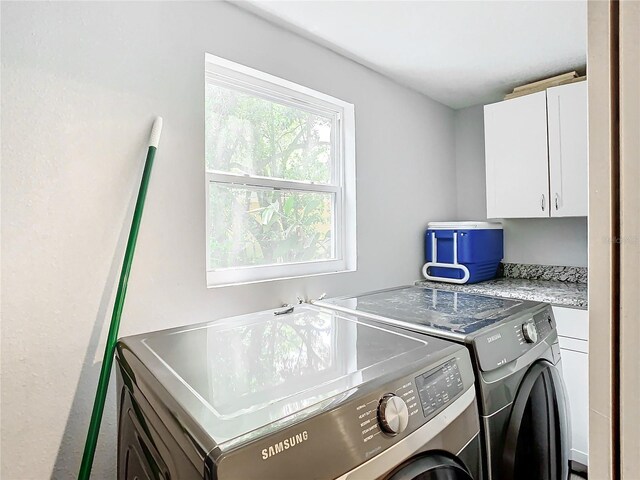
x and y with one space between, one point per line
263 226
246 134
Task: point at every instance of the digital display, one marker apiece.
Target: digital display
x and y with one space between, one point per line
439 386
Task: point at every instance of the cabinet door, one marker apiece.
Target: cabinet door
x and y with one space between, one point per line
575 370
567 123
517 165
572 323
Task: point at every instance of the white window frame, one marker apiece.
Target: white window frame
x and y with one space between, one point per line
225 73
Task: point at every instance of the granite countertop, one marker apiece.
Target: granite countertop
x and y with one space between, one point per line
555 292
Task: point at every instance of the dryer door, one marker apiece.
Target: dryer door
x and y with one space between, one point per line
431 466
536 442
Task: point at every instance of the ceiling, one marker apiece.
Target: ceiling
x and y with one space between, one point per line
460 53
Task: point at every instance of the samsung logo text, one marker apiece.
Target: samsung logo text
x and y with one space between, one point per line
493 338
285 444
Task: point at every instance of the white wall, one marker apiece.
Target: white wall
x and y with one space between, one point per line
81 83
470 177
546 241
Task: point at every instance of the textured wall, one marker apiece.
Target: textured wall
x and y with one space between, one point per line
545 241
81 83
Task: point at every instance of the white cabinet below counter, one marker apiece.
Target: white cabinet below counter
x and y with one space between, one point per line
573 336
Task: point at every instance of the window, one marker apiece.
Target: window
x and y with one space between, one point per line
280 178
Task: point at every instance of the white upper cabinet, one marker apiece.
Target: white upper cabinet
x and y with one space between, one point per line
536 154
567 124
515 139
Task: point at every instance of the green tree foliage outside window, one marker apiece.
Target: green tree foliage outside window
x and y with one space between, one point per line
250 225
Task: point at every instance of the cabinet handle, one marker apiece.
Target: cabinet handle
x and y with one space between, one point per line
542 202
556 199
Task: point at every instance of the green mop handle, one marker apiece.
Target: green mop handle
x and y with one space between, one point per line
112 338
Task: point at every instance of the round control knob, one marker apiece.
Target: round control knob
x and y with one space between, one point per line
529 331
393 414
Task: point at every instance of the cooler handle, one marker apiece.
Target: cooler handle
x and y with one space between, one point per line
435 263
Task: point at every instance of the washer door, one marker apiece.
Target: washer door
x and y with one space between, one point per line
431 466
536 443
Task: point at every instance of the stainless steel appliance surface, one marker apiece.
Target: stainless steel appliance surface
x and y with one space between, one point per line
310 394
516 356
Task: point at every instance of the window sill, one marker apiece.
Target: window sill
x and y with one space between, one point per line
222 284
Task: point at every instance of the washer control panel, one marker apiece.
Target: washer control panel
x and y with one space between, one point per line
510 340
393 414
390 415
529 331
439 386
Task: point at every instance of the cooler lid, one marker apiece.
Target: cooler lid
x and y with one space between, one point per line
237 375
464 225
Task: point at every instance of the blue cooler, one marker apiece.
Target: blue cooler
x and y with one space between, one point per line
462 252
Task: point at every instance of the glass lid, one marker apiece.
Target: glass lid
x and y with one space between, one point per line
239 374
442 310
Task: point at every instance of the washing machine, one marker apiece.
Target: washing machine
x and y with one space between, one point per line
299 393
516 357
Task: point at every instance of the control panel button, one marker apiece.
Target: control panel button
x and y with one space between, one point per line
393 414
529 331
